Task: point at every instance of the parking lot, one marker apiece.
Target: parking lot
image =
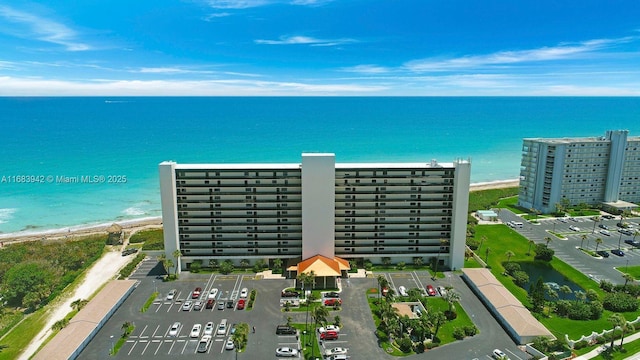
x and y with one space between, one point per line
567 249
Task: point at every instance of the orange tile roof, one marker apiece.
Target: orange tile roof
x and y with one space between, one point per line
323 266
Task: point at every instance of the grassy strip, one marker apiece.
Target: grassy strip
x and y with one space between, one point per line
152 239
480 200
18 339
633 271
149 301
127 270
122 340
308 341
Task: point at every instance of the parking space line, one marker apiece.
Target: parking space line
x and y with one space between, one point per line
417 280
512 353
145 347
133 347
184 347
142 332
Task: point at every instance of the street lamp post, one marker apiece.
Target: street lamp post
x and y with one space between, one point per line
155 287
111 351
626 268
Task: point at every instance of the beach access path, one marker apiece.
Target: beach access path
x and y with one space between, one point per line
103 270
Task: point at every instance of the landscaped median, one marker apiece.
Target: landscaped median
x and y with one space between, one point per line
444 321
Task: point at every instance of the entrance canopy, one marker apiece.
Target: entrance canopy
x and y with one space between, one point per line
321 266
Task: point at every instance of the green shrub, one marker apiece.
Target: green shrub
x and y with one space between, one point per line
620 302
405 344
458 333
128 269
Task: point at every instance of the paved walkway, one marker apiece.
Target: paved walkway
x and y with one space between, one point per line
595 352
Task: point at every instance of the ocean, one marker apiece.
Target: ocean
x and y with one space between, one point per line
77 161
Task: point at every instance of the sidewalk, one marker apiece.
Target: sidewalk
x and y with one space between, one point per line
595 352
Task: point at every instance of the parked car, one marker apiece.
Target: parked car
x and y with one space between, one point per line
285 330
574 228
229 304
220 305
329 335
498 354
186 306
617 252
286 352
175 329
229 344
196 293
336 351
331 295
632 242
603 226
197 305
402 291
213 293
240 304
244 293
222 328
209 304
129 251
172 294
608 216
204 343
333 302
564 220
431 291
605 232
289 293
442 290
208 328
328 328
195 331
602 253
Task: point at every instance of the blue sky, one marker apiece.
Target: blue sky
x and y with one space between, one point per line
320 47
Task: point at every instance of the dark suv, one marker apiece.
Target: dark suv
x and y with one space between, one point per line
290 294
285 330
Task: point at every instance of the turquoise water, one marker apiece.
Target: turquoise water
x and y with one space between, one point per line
128 137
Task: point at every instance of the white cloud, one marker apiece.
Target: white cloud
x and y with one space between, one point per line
213 16
367 69
304 40
104 87
42 29
169 70
560 52
236 4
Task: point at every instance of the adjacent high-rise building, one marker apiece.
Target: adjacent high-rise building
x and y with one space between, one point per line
601 170
250 212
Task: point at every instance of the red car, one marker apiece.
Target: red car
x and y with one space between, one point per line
431 291
332 302
385 291
196 293
240 304
329 335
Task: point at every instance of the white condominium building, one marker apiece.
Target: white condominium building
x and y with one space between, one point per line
251 212
594 170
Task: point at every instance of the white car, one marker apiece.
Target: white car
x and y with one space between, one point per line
286 352
229 344
172 294
605 232
208 328
187 305
498 354
244 292
175 329
336 351
204 343
328 328
402 291
574 228
213 293
195 331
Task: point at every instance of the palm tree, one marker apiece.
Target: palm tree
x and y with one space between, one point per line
565 290
598 242
581 296
452 297
636 232
382 283
443 243
169 264
531 242
509 254
177 254
417 261
618 321
625 327
583 237
486 258
126 328
547 240
482 240
306 280
277 263
627 278
162 258
437 318
79 304
596 220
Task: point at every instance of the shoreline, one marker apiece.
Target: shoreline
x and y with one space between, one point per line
136 224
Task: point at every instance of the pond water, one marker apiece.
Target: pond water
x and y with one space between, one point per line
549 275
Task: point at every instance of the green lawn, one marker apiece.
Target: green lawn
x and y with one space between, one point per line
501 239
20 336
632 270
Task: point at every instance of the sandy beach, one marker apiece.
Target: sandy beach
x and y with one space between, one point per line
137 224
